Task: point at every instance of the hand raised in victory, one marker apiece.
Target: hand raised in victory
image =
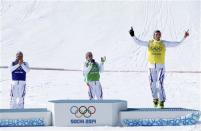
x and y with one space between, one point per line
132 32
186 34
103 59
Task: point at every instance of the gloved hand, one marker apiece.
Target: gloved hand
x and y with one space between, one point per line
20 61
132 32
103 59
186 34
92 61
89 64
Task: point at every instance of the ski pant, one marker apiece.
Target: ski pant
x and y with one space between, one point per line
17 93
95 90
156 79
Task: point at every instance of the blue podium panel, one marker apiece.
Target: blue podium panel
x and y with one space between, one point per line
86 112
159 117
25 117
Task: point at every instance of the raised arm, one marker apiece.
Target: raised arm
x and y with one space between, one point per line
137 41
176 43
14 67
172 43
140 42
101 65
25 67
86 69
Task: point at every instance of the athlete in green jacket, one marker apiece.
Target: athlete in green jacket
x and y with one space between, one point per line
91 72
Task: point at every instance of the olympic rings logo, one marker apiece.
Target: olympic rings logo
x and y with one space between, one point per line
82 111
156 49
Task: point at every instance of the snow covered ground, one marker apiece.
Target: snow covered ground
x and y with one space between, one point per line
58 33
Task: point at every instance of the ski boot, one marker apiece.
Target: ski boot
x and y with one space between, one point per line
155 101
161 104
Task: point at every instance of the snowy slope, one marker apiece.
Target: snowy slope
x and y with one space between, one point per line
58 33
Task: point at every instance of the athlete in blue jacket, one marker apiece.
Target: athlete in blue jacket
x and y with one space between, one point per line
18 69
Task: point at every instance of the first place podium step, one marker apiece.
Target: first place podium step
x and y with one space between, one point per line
86 112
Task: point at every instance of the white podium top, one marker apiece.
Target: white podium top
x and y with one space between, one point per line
87 101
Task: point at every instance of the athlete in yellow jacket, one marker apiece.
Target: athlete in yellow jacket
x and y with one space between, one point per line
156 63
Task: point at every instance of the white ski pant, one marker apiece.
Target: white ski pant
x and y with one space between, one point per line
95 90
156 78
17 93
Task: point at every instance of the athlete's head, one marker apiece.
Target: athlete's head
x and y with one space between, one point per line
89 56
19 55
157 35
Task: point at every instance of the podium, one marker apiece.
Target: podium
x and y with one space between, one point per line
115 113
25 117
159 117
86 112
